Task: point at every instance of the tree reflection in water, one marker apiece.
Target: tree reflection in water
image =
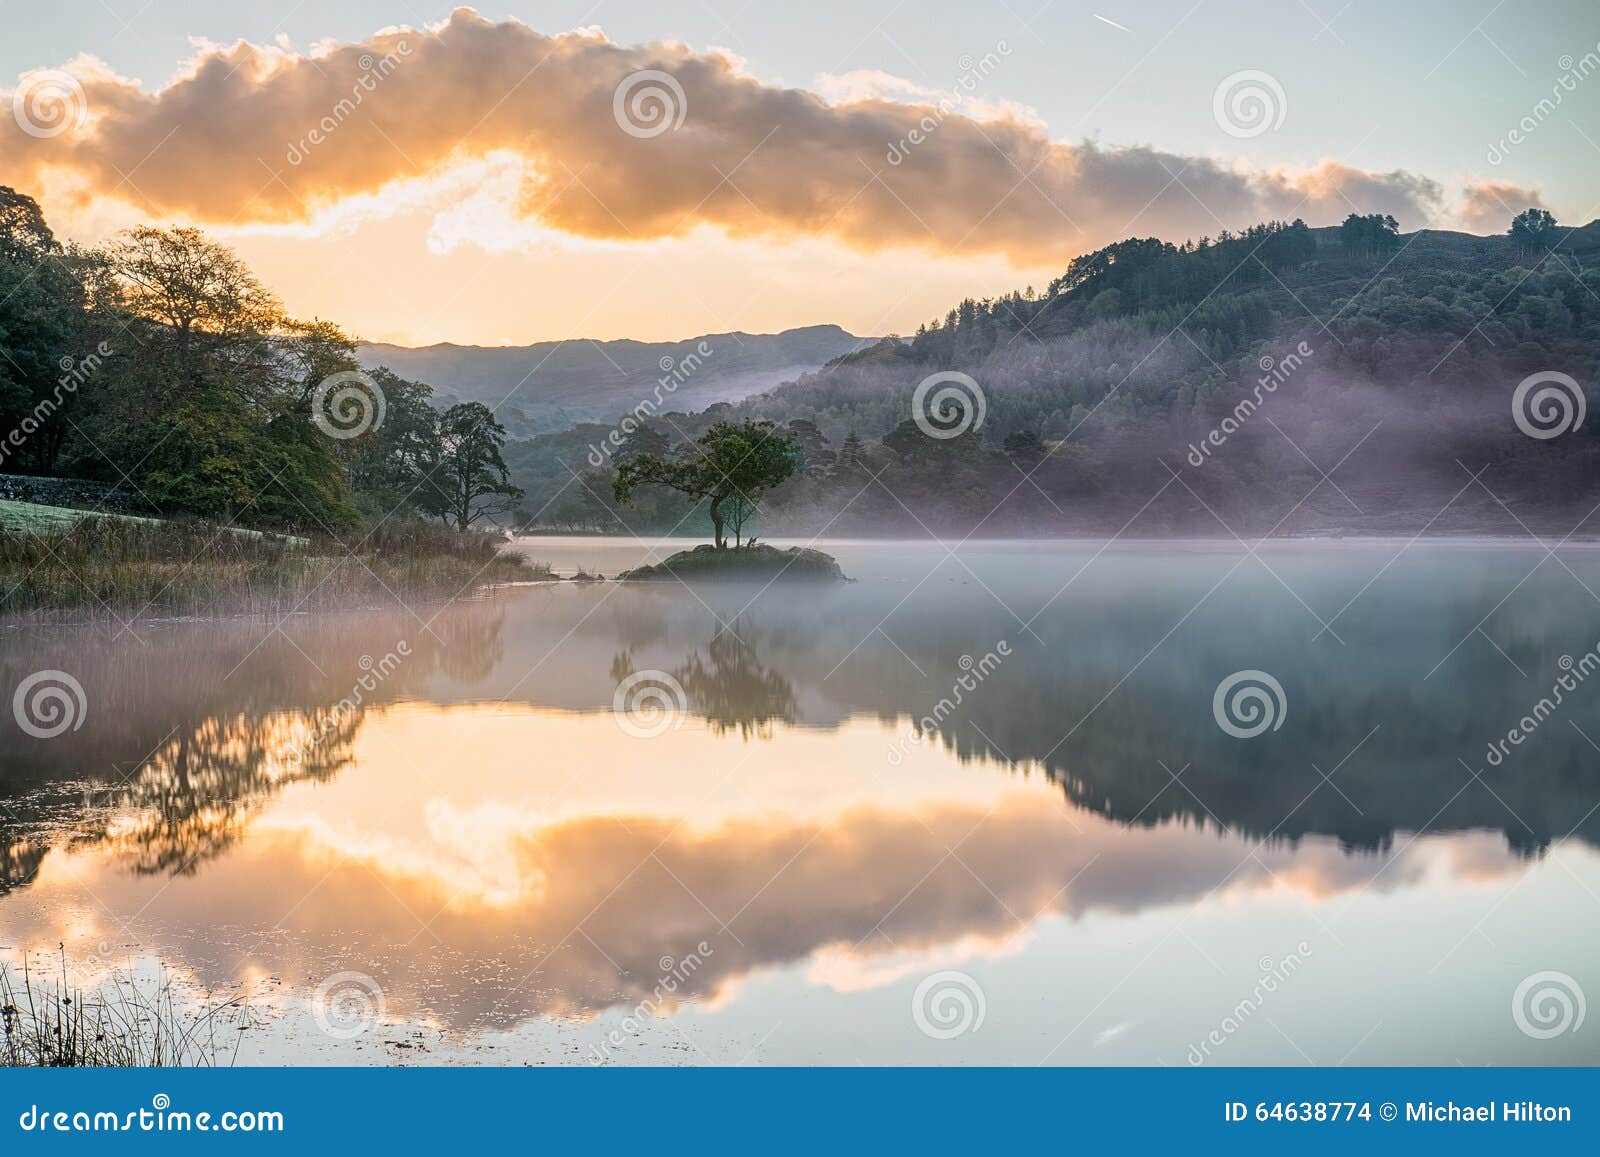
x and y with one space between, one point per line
190 728
195 732
728 685
224 727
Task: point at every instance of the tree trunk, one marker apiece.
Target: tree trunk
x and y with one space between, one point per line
716 521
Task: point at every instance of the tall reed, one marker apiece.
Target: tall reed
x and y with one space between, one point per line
118 567
48 1023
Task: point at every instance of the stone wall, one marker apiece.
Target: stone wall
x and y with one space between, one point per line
77 493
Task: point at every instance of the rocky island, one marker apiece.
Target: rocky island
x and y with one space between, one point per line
707 563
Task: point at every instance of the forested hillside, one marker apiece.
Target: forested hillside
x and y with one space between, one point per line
1196 388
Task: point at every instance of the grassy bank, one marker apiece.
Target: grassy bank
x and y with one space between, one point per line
127 566
38 518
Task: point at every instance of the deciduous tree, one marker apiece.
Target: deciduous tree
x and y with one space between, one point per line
729 465
470 481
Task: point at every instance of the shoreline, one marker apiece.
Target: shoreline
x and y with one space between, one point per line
124 571
1556 540
512 570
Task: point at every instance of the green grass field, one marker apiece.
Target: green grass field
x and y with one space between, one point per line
34 517
37 518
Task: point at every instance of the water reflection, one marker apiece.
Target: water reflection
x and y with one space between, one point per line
473 830
731 687
1081 695
467 913
192 729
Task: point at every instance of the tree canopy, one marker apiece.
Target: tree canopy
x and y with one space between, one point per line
468 478
160 367
1533 230
730 466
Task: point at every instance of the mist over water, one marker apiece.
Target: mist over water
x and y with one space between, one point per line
1006 759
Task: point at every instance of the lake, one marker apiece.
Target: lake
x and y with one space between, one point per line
1008 803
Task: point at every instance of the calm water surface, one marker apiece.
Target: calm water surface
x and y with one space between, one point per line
436 826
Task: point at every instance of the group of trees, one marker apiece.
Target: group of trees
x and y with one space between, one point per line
1142 276
1138 275
159 365
1534 231
1370 234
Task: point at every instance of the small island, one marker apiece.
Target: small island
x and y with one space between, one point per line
729 467
760 562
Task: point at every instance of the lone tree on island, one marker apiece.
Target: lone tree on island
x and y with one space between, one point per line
731 464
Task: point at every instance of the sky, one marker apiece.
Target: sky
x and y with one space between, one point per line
657 170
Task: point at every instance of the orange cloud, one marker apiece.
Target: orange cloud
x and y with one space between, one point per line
1488 206
866 896
632 143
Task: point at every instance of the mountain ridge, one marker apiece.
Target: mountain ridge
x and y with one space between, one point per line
549 386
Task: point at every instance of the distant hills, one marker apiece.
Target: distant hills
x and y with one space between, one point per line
551 386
